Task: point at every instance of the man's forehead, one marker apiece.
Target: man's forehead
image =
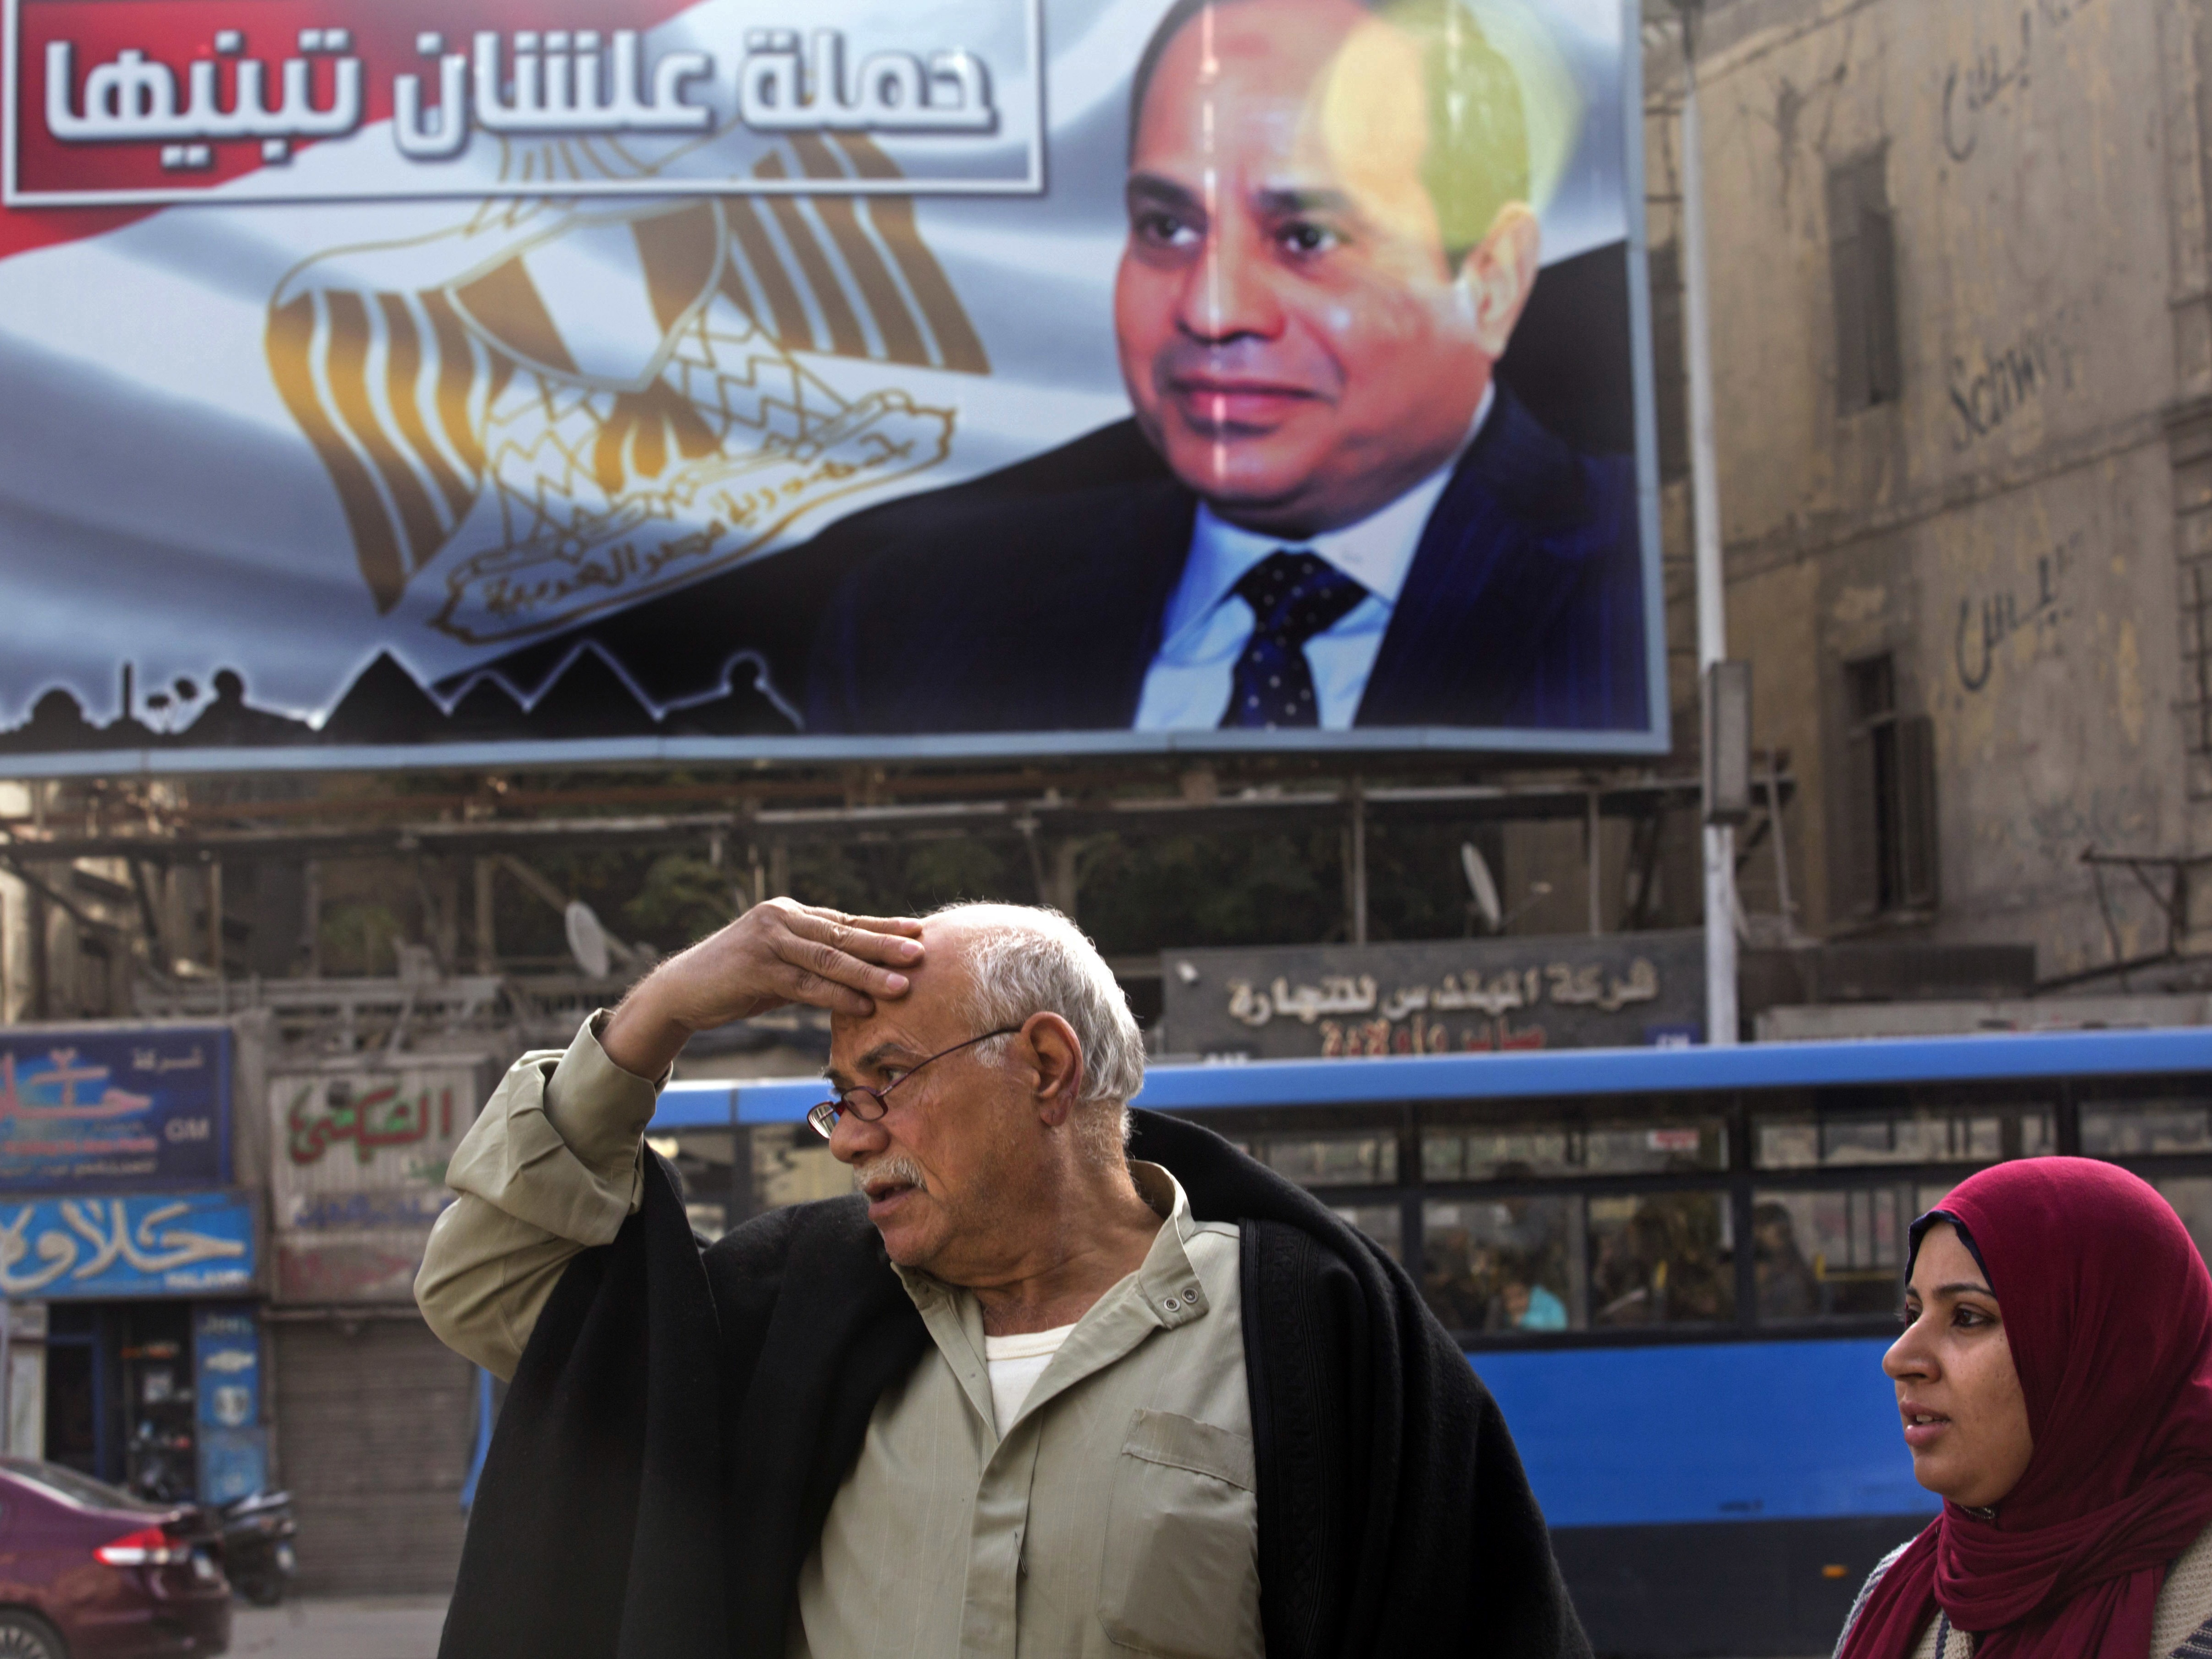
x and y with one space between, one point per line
931 1002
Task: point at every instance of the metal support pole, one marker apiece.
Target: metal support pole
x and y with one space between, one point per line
311 917
1781 850
1594 848
42 966
1359 863
8 1382
1721 1017
487 917
215 901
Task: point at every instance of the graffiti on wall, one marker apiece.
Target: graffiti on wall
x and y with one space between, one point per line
1983 79
1989 388
1988 621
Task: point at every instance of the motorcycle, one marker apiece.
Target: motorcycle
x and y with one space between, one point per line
257 1545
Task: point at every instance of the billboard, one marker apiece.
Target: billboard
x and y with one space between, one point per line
357 1173
1464 996
84 1110
603 378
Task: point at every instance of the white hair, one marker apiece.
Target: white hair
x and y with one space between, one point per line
1029 959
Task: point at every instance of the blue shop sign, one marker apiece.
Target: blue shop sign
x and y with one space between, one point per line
233 1442
109 1108
226 1352
145 1245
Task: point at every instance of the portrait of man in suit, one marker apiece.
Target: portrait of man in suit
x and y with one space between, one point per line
1343 518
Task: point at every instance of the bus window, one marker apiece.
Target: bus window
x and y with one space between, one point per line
1383 1222
703 1160
794 1166
2149 1126
1502 1264
1661 1259
1523 1151
1966 1135
1829 1255
1330 1160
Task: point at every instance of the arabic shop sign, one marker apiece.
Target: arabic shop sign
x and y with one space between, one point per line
234 1443
359 1174
111 1108
132 104
148 1244
1468 996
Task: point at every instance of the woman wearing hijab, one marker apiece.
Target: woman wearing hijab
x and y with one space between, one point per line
2054 1382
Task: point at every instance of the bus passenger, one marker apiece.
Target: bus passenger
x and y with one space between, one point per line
2054 1382
1523 1302
1787 1289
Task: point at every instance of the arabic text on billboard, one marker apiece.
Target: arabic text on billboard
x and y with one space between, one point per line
734 377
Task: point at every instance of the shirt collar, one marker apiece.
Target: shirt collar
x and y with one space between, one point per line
1167 1283
1376 552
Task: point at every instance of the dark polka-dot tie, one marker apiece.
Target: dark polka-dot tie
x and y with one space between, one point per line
1293 596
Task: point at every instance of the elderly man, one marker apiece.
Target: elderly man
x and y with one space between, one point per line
1029 1392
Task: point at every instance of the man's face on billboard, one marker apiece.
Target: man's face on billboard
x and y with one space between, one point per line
1296 340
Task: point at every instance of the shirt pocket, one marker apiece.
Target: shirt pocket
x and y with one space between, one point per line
1182 1569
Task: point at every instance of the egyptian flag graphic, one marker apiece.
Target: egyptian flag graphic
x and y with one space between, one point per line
289 425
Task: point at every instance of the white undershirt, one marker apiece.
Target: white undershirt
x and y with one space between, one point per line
1015 1363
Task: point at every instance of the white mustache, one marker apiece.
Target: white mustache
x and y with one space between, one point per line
886 1172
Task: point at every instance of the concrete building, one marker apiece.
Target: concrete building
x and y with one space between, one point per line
1963 359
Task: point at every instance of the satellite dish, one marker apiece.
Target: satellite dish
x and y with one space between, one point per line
1480 885
588 940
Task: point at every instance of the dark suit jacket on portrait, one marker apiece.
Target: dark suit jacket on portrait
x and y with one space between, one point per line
1523 606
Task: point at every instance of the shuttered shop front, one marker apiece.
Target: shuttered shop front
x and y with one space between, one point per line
376 1429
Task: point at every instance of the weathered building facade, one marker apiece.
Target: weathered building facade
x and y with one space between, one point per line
1962 346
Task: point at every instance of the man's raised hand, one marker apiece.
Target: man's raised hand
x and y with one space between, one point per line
776 953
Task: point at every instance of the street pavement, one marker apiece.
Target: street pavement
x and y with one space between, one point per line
382 1627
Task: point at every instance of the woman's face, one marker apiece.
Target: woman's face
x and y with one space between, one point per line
1965 1419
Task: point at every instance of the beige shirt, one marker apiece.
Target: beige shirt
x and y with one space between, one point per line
2184 1603
1115 1514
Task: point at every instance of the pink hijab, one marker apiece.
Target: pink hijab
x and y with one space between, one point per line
2108 1309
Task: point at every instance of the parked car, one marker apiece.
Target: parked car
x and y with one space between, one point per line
89 1571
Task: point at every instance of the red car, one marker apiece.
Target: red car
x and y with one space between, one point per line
89 1571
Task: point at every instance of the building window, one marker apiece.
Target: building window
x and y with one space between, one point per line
1889 799
1863 255
1670 378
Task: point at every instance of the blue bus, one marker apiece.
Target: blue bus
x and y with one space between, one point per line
1677 1269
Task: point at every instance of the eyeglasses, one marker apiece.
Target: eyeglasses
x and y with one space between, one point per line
869 1105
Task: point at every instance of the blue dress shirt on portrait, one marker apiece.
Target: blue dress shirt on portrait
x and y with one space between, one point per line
1207 624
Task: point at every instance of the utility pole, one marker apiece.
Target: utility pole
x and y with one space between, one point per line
1705 503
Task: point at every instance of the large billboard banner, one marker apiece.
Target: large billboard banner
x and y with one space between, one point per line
589 377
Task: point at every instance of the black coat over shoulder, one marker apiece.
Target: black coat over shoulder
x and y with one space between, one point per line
681 1420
